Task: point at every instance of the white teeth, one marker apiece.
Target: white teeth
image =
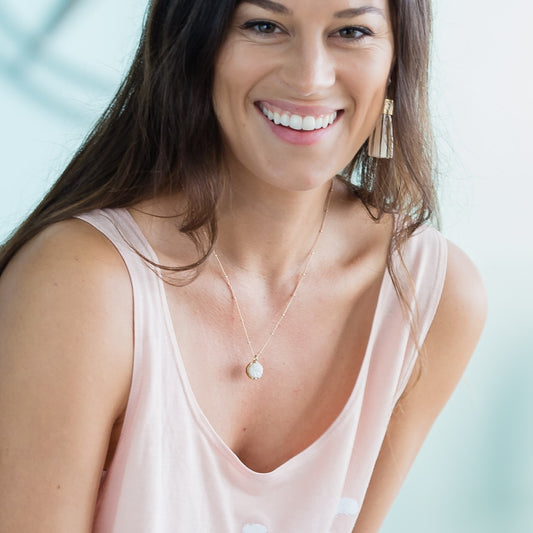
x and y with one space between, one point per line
330 119
308 124
297 122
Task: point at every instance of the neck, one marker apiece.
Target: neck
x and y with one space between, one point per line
269 233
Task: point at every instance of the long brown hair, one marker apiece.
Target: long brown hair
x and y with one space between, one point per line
160 135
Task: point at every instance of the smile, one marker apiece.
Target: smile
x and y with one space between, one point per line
295 121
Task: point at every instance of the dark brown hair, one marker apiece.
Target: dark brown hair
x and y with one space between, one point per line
160 135
404 185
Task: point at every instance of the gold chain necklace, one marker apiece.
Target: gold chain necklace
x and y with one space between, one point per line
254 369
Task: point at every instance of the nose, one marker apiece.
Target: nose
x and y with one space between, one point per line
308 68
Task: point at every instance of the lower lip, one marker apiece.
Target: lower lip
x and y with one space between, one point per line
299 137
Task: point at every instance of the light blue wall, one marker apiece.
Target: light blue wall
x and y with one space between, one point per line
475 472
53 87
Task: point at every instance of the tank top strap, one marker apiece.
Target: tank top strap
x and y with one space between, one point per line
120 228
425 257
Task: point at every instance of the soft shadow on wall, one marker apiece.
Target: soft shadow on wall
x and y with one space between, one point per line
60 63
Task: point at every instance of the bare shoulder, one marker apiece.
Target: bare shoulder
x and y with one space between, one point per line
69 284
459 320
448 347
451 339
65 365
464 295
69 274
63 244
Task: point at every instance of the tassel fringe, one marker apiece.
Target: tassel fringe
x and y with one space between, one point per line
381 142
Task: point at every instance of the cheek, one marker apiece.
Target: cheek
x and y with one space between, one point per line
230 95
371 73
368 87
225 107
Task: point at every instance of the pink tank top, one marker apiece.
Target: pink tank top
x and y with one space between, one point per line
173 473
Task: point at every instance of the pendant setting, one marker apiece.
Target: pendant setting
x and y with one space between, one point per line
254 370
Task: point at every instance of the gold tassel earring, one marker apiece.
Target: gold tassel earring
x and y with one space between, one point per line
381 142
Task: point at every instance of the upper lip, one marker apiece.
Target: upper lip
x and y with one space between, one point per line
298 109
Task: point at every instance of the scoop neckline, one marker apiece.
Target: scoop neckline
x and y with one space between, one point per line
201 419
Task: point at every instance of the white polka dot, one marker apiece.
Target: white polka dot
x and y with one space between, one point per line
348 507
254 528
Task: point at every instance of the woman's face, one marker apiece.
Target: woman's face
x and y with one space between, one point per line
299 85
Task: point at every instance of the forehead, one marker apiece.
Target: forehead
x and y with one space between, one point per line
336 7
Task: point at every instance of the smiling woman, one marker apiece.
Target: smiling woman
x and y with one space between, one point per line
324 65
231 313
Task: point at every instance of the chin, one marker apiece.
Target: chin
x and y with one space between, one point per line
301 182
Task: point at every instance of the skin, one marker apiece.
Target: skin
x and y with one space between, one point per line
304 59
65 368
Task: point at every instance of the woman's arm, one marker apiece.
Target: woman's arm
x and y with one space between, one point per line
65 369
448 347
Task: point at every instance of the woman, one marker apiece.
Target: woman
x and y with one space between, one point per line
239 198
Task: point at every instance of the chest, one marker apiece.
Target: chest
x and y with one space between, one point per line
311 362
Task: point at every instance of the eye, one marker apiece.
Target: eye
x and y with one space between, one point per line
353 32
261 26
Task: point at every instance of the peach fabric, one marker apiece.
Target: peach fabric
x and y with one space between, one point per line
173 473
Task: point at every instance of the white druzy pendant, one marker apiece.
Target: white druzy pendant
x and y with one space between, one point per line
254 370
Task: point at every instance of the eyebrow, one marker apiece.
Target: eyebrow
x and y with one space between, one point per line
276 7
270 5
357 11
